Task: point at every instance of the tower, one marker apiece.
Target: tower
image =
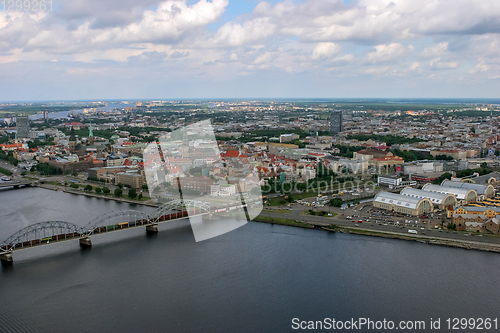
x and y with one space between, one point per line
22 127
91 135
336 122
72 141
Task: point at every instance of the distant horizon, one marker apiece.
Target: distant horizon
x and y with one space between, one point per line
434 100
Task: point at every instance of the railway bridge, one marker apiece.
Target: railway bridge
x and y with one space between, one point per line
49 232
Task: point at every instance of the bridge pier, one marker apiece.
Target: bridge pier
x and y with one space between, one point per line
85 242
152 228
6 257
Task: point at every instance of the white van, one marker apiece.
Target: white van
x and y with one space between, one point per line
411 231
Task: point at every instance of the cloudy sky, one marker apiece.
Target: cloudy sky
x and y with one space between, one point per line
132 49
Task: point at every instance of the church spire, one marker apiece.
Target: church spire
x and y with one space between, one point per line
72 136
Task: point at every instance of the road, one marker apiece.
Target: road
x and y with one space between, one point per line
341 220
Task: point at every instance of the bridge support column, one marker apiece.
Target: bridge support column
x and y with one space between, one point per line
85 242
152 228
6 258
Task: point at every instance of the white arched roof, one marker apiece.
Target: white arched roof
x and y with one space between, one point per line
397 199
437 198
459 193
480 189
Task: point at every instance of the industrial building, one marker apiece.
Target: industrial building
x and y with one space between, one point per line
419 167
483 191
403 204
464 195
440 200
336 122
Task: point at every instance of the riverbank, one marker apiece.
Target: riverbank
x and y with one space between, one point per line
330 227
469 245
99 196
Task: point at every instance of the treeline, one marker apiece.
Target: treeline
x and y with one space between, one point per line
8 157
108 133
348 151
412 155
5 171
264 135
388 139
47 169
274 185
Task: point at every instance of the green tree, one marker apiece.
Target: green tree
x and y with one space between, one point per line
336 202
98 190
444 176
87 188
120 185
106 190
145 187
73 185
75 174
140 196
118 192
132 193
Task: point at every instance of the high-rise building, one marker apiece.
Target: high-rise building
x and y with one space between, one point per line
22 127
336 122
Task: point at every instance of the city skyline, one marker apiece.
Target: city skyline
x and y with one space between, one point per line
251 49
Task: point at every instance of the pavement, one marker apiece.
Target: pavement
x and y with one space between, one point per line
369 222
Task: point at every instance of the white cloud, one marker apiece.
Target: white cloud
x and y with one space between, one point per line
480 67
389 52
325 50
436 50
376 70
438 64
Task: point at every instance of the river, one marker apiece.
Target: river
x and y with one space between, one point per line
254 279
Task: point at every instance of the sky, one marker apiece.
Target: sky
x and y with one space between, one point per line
178 49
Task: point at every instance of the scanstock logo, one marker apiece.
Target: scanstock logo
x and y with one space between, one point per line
187 165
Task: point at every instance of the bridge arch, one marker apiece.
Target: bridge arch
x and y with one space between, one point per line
120 219
180 208
43 231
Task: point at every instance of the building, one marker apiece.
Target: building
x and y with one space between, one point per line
336 122
22 127
457 154
403 204
420 167
391 181
198 185
369 154
288 137
487 212
483 191
463 195
493 225
469 222
277 148
354 165
132 179
441 200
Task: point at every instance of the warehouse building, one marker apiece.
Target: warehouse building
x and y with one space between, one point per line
440 200
403 204
464 196
483 191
